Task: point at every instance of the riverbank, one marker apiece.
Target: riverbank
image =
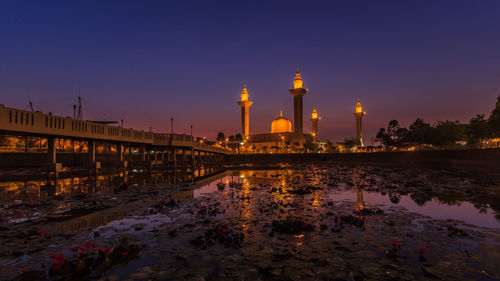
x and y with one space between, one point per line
487 160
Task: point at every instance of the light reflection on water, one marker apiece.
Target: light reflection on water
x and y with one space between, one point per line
475 213
461 210
31 190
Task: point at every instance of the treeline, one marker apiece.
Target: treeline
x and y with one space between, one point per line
233 141
443 133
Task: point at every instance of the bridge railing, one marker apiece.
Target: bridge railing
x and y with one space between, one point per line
210 148
37 123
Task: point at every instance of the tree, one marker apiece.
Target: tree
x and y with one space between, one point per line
419 132
393 136
494 120
477 129
447 133
312 147
350 143
238 138
331 148
221 137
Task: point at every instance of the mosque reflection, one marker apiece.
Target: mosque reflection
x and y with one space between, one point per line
438 203
276 187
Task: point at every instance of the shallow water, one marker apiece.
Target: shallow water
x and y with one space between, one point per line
483 216
453 216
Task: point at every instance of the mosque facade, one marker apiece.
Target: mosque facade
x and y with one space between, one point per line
283 133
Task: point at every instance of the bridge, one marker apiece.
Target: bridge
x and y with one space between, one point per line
154 148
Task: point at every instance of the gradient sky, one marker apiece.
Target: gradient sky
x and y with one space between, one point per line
147 61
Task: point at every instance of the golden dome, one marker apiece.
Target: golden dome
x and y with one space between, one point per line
281 125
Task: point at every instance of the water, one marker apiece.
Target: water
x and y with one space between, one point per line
35 187
453 215
481 214
438 206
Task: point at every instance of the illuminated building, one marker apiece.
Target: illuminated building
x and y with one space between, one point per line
245 106
282 136
314 120
297 92
359 113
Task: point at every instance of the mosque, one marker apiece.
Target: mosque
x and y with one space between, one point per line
282 134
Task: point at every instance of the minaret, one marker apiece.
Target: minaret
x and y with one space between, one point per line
359 113
297 93
245 105
314 120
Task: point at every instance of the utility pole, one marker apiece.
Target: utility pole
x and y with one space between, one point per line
192 147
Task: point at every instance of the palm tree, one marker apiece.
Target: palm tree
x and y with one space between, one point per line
220 136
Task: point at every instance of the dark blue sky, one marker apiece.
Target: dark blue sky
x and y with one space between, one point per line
146 61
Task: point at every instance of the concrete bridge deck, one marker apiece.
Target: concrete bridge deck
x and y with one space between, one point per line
37 124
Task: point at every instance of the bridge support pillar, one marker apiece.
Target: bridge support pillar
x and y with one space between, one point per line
51 145
52 165
142 151
119 153
91 149
174 157
119 156
93 165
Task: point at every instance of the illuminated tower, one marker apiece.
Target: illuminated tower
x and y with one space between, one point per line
297 93
314 120
359 113
245 105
